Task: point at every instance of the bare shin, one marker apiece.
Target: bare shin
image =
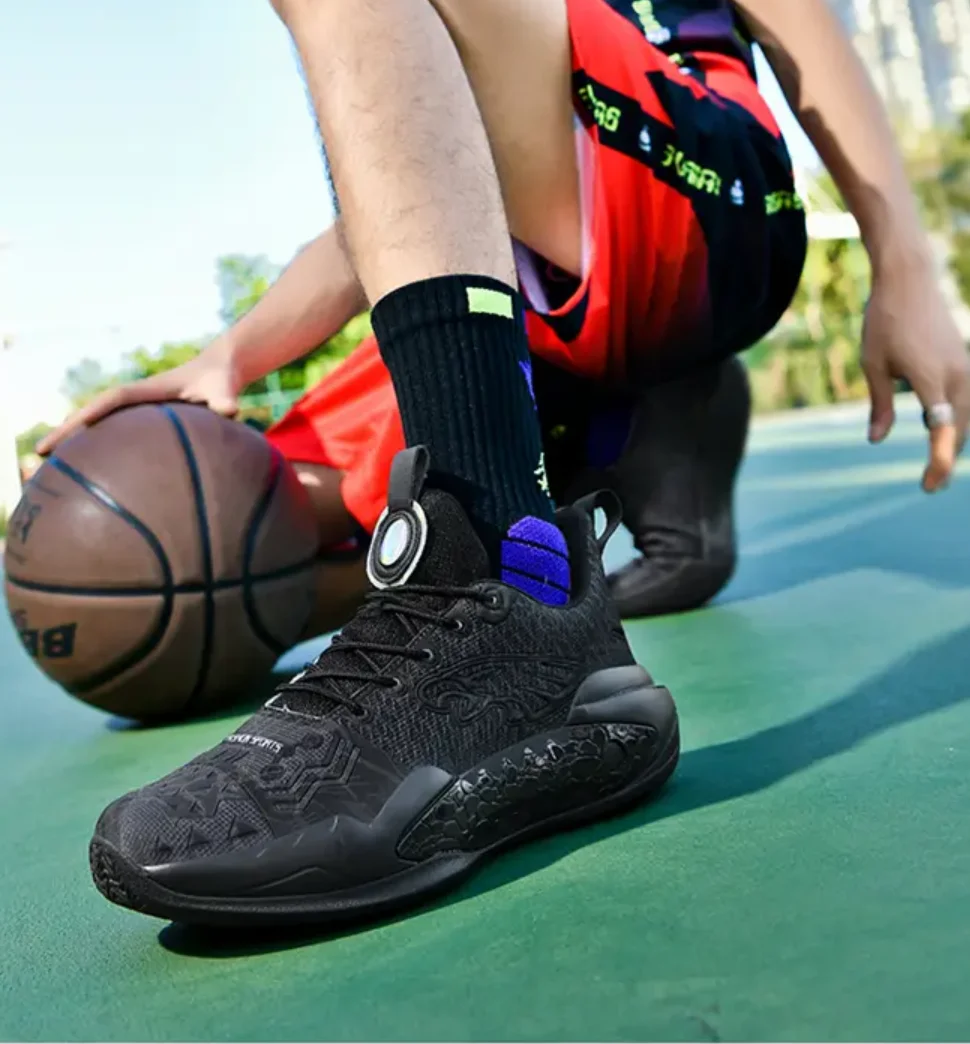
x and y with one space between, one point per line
410 158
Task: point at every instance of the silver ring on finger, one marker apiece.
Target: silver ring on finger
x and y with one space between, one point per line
938 415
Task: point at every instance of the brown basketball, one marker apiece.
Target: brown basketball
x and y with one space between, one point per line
161 561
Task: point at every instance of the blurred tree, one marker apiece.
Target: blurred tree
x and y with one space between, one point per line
841 303
143 363
939 168
242 280
27 441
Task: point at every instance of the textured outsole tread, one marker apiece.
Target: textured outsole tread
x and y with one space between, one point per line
110 872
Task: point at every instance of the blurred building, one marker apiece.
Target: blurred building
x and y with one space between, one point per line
918 52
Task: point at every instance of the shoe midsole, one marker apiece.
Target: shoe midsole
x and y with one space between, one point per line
620 727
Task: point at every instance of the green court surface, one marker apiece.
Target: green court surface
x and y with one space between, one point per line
805 877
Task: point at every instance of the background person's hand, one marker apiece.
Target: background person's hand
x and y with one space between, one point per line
909 334
208 380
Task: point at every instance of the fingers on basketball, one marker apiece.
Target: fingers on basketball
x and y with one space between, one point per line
99 407
105 404
220 404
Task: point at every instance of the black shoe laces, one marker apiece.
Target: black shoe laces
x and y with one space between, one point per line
337 676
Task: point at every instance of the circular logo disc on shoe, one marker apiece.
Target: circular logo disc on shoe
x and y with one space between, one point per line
395 543
399 541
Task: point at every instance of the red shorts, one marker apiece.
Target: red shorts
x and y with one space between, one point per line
697 241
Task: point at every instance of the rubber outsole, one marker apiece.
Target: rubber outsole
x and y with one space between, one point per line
125 884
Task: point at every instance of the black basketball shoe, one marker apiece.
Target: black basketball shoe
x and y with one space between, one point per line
676 480
456 715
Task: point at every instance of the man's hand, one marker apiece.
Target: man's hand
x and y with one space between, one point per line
909 334
209 380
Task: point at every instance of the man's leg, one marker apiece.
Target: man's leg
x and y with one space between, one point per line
408 152
671 453
676 478
334 522
341 579
415 129
486 692
426 228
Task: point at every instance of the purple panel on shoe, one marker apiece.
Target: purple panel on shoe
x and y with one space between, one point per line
536 589
535 560
547 566
537 531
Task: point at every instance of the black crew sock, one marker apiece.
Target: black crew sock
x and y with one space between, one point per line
457 353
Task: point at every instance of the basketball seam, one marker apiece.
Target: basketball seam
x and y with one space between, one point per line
176 589
205 541
252 534
151 643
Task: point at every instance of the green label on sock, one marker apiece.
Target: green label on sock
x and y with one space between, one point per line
489 302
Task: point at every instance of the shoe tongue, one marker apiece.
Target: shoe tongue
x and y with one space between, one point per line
454 554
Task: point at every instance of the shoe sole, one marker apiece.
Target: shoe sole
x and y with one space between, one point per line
128 885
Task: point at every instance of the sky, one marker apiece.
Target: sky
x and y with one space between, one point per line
138 143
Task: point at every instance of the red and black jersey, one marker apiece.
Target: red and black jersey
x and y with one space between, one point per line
690 31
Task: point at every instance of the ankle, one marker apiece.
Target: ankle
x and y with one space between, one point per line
456 350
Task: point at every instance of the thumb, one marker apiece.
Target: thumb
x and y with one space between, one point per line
224 405
882 416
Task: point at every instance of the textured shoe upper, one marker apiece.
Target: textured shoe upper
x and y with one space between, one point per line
446 671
